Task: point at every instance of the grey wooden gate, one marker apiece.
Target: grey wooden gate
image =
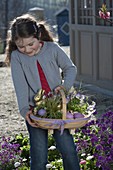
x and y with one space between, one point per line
91 42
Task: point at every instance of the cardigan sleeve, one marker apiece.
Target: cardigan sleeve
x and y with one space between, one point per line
67 66
20 84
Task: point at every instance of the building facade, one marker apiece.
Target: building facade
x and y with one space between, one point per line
91 42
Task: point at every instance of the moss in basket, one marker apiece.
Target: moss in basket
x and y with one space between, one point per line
76 105
51 103
77 102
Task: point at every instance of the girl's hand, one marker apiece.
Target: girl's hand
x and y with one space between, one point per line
58 88
29 120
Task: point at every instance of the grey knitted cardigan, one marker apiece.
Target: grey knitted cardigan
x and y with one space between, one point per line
26 78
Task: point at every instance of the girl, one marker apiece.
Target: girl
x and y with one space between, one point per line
35 62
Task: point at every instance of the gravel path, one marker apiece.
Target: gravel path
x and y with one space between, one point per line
11 122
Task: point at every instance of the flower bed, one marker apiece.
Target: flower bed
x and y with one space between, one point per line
94 145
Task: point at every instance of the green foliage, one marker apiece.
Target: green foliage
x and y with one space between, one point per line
58 164
10 154
52 154
23 141
50 105
23 145
24 168
104 8
75 105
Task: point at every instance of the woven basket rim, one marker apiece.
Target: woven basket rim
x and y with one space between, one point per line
87 117
68 123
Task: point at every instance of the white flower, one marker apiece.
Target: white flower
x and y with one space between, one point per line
91 111
52 148
44 97
83 154
54 167
89 157
81 97
24 160
88 154
48 166
92 106
17 164
60 160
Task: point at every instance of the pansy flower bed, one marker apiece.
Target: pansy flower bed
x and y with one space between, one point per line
95 143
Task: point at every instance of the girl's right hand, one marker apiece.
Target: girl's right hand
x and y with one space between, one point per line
58 88
29 120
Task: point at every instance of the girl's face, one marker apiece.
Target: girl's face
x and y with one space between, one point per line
29 46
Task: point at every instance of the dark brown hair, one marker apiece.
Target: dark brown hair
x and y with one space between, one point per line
23 27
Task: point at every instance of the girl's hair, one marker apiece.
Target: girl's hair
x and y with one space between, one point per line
23 27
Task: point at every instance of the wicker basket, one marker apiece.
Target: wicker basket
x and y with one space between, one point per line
63 123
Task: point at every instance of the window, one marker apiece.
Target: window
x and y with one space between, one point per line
85 12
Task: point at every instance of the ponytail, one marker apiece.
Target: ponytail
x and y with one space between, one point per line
45 33
11 46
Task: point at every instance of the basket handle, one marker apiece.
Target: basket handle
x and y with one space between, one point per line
64 108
